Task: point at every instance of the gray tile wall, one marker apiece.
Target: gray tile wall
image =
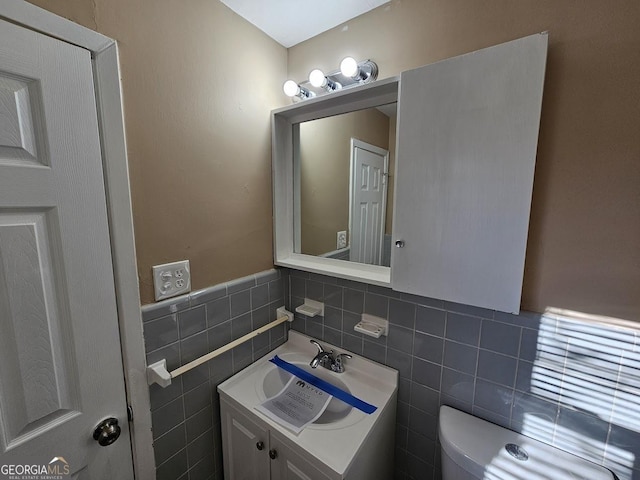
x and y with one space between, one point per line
185 415
579 384
561 381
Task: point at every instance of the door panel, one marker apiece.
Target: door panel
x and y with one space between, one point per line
467 140
61 370
20 121
32 324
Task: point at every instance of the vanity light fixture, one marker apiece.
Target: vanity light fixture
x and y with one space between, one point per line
292 89
318 79
350 74
362 72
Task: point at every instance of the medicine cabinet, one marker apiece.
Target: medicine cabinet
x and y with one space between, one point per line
466 141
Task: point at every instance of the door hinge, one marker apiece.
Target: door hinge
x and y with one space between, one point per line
130 413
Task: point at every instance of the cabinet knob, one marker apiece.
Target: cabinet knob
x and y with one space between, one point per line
273 454
260 445
399 243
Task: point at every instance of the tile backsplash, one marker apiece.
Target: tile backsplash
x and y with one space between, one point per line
564 379
185 415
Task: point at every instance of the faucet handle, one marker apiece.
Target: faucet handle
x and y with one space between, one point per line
320 349
338 364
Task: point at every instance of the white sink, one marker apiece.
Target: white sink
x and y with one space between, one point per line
343 432
276 378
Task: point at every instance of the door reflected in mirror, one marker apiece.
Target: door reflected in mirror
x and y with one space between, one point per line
343 186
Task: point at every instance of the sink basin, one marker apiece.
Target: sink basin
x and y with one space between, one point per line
344 439
276 378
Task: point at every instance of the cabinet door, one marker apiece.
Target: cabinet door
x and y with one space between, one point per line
245 447
288 465
466 149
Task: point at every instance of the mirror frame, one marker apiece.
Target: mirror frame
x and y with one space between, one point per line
284 129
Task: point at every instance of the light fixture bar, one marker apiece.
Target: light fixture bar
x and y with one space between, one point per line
350 74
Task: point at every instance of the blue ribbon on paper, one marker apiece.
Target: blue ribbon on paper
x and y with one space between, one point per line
323 385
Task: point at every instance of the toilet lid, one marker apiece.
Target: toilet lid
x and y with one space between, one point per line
481 449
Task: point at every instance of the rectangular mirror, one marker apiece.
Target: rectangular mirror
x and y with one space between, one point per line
333 161
343 185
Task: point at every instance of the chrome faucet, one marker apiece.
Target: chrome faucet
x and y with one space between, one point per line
325 359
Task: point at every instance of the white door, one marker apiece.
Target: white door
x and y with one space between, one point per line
61 371
467 139
368 190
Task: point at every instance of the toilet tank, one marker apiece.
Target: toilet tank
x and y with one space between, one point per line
475 449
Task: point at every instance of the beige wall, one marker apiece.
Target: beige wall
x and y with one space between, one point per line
78 11
199 83
198 131
584 240
325 157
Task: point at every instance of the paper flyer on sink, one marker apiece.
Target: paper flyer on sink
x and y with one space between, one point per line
297 405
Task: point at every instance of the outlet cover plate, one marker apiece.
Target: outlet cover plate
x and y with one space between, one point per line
342 239
171 279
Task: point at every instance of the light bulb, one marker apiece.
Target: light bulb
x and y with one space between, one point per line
291 88
349 67
317 78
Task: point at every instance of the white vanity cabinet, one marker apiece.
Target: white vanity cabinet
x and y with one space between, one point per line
253 451
343 443
466 144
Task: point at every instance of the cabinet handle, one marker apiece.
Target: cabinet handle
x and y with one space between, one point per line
273 454
260 445
399 243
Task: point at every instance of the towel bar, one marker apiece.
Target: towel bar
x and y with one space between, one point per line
157 372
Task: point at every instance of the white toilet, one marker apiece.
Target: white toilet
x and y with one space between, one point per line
475 449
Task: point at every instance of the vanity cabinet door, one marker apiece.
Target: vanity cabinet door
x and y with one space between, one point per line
253 452
245 446
466 150
288 465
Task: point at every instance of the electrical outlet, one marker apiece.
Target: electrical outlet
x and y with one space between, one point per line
342 239
171 279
